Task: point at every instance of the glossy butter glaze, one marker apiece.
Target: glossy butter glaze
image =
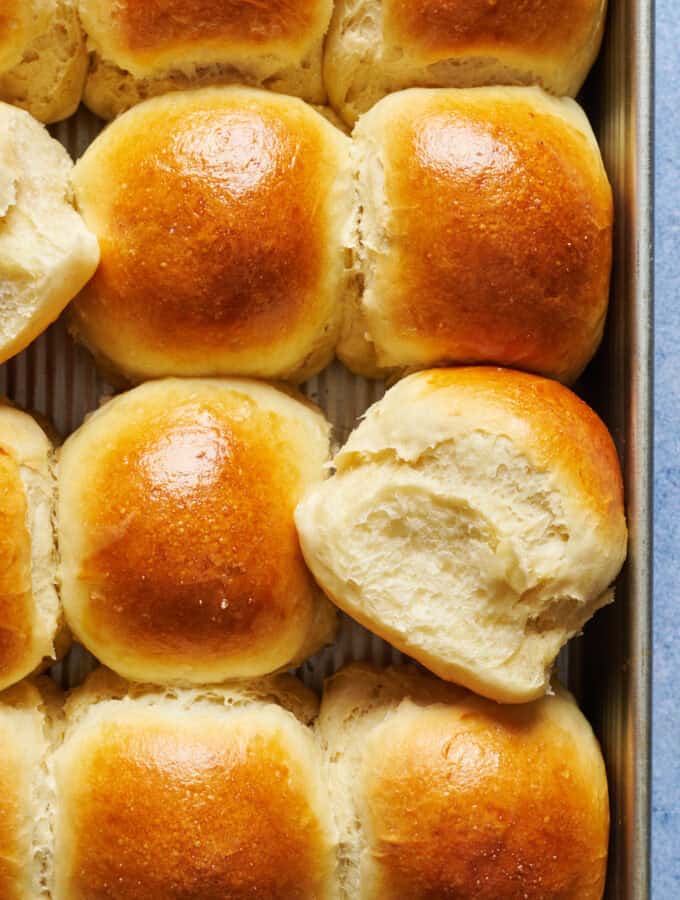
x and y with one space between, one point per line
194 506
500 234
230 802
513 794
179 550
214 212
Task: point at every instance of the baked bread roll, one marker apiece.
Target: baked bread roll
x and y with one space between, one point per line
29 606
375 47
141 50
24 824
46 252
439 793
222 215
179 556
210 793
475 520
485 233
43 59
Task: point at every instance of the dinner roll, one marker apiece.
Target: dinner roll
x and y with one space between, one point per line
179 556
24 790
29 606
223 215
375 47
475 520
43 59
203 794
142 49
439 793
485 233
46 252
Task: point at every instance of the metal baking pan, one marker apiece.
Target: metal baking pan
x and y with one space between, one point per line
608 668
612 678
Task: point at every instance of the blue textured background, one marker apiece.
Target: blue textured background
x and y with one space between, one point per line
666 739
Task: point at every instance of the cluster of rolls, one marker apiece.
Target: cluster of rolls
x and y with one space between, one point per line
398 786
199 530
474 519
241 232
115 53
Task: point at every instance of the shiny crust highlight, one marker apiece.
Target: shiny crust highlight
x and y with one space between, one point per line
487 232
221 216
179 551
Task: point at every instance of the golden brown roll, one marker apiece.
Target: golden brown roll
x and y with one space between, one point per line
46 252
43 59
24 794
475 520
143 49
222 215
485 233
179 556
204 794
29 606
375 47
439 793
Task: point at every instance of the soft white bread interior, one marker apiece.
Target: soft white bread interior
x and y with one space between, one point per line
484 233
475 520
46 252
30 615
205 793
223 215
440 793
180 560
375 47
25 795
43 59
141 50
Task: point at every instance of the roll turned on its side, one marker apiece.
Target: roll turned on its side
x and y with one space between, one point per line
475 520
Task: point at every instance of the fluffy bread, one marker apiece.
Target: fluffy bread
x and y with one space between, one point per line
475 520
141 50
375 47
43 59
24 794
485 233
179 556
406 787
439 793
223 216
29 607
46 252
208 794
